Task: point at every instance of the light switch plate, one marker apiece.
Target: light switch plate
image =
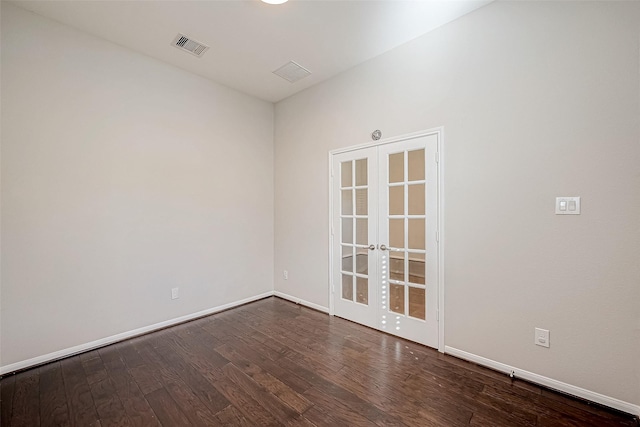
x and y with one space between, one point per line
542 337
567 205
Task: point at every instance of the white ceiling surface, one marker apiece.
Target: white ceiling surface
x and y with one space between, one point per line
249 39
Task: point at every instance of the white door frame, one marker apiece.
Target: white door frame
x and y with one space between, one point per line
440 227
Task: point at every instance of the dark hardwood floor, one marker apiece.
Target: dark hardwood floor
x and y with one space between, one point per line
272 362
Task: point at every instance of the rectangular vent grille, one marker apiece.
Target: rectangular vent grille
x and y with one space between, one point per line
183 42
292 72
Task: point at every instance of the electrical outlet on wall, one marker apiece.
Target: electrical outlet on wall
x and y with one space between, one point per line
285 274
542 337
175 293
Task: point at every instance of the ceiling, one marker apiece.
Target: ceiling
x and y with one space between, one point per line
249 39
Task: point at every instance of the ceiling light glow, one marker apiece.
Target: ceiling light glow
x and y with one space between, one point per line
274 1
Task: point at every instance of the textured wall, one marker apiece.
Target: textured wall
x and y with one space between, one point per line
537 100
122 177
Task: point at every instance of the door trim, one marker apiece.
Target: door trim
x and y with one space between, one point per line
439 131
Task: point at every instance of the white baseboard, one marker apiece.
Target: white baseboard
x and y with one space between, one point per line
611 402
122 336
301 301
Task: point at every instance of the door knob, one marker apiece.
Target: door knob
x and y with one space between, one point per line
372 247
383 248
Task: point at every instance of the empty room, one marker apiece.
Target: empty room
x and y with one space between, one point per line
320 213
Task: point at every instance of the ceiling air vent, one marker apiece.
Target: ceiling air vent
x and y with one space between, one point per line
292 72
193 47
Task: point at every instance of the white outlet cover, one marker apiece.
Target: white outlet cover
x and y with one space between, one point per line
542 337
175 293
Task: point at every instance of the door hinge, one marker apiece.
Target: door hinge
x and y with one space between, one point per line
437 236
332 229
437 157
438 315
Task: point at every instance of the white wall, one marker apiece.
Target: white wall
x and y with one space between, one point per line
122 177
537 100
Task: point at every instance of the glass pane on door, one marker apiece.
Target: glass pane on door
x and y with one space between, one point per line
361 172
396 167
347 287
396 233
354 234
416 233
396 266
347 259
416 199
396 300
362 290
346 174
362 231
396 200
417 268
347 202
406 228
347 230
417 302
362 201
415 159
362 261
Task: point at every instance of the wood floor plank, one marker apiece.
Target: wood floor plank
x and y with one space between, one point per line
26 399
279 389
143 374
197 344
198 413
267 400
328 411
245 354
459 385
195 410
555 408
230 416
323 417
504 411
93 367
411 411
329 388
196 374
221 330
82 411
480 419
114 365
581 404
151 356
301 352
7 388
104 391
136 406
244 403
166 409
128 353
484 375
138 410
108 404
273 363
53 401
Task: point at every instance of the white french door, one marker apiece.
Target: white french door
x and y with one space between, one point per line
384 237
355 226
